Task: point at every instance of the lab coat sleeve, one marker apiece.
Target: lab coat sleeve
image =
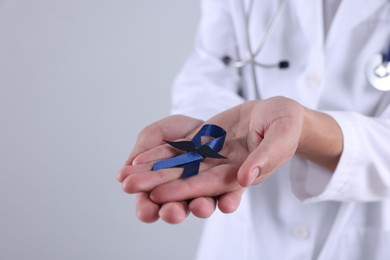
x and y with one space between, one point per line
205 86
363 172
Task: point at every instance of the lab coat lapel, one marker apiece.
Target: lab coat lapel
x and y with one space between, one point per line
349 14
310 16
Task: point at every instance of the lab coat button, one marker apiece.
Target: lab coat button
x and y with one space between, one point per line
301 232
314 79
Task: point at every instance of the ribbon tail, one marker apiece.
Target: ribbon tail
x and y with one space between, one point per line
176 161
187 146
191 169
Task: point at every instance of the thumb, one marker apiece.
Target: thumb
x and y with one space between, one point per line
255 166
272 152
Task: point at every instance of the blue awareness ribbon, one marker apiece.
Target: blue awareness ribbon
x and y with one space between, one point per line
196 151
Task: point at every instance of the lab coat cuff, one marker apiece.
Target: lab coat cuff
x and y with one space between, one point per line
312 183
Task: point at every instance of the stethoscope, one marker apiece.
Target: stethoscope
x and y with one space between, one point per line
251 55
377 71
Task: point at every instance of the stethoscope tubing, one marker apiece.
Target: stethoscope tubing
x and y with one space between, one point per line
251 56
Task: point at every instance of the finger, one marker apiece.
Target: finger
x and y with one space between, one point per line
174 212
155 154
132 169
146 181
210 183
154 134
230 201
141 178
147 210
202 207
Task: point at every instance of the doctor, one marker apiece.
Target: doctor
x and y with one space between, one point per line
318 132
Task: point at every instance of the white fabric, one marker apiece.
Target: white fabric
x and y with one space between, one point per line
303 211
330 8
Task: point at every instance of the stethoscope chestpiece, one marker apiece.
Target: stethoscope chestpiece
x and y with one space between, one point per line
378 72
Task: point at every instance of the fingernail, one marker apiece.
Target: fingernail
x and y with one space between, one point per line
253 175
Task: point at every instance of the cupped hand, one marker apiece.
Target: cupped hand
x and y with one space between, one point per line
171 128
261 136
149 138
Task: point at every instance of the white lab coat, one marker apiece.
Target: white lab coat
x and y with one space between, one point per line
302 211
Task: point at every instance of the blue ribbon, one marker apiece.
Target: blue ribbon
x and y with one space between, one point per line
195 151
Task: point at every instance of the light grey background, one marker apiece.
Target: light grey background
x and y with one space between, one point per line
78 80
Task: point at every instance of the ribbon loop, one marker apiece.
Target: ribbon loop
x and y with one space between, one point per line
195 151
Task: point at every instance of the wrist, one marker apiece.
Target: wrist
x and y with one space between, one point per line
321 139
307 125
